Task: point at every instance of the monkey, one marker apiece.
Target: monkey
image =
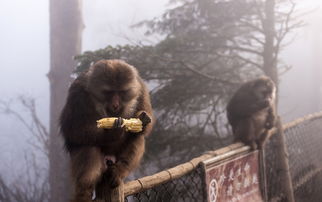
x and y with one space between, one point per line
251 112
99 157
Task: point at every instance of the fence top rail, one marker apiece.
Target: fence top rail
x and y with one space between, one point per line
298 121
148 182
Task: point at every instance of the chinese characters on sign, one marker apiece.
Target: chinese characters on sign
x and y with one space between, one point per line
236 180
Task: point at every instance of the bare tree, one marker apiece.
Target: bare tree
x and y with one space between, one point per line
32 184
270 56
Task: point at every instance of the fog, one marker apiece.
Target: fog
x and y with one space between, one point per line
24 49
24 56
297 93
24 40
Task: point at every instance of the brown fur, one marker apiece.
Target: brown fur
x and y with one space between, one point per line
251 111
88 145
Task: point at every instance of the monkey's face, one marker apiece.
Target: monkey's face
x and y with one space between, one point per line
264 90
116 100
114 84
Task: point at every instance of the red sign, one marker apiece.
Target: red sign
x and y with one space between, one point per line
234 180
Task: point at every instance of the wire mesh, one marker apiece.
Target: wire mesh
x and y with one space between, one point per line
304 146
188 188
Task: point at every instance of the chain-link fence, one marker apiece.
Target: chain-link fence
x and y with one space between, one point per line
303 140
186 188
185 182
304 145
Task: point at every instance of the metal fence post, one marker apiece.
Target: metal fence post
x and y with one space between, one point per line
283 164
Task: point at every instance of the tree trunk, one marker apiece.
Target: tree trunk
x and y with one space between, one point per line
269 60
65 42
270 68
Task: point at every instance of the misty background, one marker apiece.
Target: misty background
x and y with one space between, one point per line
24 49
24 56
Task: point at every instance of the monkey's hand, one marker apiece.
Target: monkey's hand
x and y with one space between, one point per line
269 124
270 120
118 123
144 117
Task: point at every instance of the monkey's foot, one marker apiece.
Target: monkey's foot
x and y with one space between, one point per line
115 179
111 177
98 200
253 146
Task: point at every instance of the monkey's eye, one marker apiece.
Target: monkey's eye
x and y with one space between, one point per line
124 92
127 94
108 93
267 93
